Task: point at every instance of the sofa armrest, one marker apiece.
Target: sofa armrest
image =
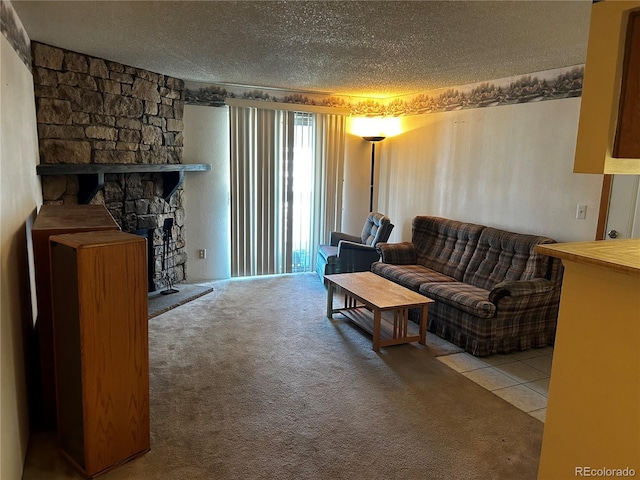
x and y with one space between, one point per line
337 236
356 257
346 245
520 288
403 253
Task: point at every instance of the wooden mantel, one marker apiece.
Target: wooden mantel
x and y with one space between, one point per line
91 176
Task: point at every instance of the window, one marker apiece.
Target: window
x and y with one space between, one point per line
302 192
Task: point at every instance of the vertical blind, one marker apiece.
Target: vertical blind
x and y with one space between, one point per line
329 176
286 187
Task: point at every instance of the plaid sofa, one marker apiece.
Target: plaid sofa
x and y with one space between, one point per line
493 293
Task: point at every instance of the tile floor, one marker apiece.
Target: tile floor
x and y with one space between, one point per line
520 378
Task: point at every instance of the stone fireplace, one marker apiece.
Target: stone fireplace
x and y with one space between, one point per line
93 112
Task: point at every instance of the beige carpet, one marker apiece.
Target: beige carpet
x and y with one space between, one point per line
253 382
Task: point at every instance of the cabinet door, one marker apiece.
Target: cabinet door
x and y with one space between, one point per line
627 144
115 359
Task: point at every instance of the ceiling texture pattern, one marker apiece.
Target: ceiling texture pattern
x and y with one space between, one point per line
358 48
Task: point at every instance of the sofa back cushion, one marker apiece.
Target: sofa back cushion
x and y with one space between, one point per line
502 255
444 245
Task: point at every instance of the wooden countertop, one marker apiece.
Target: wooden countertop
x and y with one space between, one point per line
620 255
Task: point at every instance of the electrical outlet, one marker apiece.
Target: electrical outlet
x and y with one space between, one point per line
202 253
581 212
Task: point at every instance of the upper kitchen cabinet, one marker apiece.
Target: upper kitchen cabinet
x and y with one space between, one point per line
627 140
609 128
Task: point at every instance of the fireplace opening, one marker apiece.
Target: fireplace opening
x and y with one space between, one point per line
166 247
147 233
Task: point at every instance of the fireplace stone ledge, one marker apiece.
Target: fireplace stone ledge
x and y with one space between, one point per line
91 176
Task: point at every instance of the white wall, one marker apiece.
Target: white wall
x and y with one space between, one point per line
206 194
20 195
508 167
357 171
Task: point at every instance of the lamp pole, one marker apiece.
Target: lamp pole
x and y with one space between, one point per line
373 141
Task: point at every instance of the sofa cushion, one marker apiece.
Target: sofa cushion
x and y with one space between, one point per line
443 245
410 276
502 255
461 295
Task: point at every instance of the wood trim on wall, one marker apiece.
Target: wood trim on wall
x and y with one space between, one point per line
603 211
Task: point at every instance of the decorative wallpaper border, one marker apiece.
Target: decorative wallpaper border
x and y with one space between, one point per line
14 32
546 85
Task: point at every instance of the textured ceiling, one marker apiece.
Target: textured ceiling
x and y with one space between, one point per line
367 48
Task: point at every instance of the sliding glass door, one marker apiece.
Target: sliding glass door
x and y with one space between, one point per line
279 189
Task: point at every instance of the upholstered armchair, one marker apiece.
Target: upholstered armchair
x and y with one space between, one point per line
351 253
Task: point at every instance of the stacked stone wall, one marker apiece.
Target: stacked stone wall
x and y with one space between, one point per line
94 111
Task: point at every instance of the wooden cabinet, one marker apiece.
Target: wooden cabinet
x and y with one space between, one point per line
53 220
609 125
100 319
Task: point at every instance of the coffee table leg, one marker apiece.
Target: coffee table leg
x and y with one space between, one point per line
423 326
376 330
330 300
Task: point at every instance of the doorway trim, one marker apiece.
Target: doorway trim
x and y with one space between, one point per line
603 211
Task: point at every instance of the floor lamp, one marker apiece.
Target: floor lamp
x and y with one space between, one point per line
373 141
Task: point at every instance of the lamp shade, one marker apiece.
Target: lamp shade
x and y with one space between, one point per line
374 139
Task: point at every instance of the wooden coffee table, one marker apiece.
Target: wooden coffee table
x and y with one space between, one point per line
379 306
